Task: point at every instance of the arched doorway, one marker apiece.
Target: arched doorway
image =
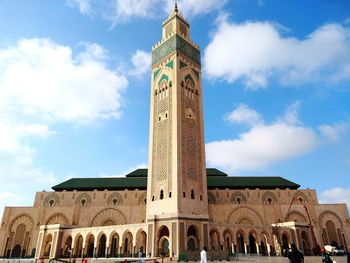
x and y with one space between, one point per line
16 252
214 240
127 244
114 245
285 243
252 244
228 241
192 238
102 246
78 246
90 246
306 244
240 243
47 246
332 233
18 241
163 243
164 247
263 245
67 247
141 240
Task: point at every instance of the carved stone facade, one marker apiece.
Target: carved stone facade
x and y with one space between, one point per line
175 208
114 223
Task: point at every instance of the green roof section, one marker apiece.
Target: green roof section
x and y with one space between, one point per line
243 182
215 172
89 184
138 173
138 180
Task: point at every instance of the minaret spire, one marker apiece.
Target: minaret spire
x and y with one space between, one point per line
175 7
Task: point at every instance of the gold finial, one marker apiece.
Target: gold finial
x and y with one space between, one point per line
175 7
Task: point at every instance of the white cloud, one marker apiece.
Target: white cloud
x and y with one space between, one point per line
141 61
256 52
265 144
121 11
197 7
41 84
244 114
335 196
334 132
41 78
125 172
84 6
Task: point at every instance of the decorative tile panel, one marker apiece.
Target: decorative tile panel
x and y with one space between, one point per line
175 43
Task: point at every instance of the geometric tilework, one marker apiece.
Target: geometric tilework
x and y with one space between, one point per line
175 43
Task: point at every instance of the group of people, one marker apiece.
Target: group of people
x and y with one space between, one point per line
296 256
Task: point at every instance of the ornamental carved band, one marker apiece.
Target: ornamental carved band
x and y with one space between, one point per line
175 43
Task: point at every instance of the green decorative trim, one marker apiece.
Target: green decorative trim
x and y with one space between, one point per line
175 43
170 64
196 73
155 74
189 77
164 77
182 64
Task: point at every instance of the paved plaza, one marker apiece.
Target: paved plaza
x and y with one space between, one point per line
313 259
318 259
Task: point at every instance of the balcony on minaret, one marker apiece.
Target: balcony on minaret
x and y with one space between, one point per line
176 24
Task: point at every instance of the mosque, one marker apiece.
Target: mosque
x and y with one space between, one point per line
177 205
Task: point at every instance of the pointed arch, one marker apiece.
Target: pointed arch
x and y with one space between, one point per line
57 218
245 215
295 215
109 216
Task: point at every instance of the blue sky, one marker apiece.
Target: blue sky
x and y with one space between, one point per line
75 76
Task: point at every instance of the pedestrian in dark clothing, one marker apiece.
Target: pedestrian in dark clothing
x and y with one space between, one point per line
295 256
325 256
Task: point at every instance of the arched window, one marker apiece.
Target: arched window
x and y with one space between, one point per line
192 194
51 202
83 202
114 201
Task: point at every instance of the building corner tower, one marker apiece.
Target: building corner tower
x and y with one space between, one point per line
177 206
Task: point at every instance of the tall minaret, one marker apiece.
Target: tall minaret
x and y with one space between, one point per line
177 203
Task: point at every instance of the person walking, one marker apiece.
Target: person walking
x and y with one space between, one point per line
295 256
204 255
325 256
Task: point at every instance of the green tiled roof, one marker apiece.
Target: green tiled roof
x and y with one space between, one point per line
240 182
138 180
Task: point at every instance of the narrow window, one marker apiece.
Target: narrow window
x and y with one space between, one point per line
192 194
169 194
161 194
200 197
83 202
152 198
115 201
51 202
184 194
